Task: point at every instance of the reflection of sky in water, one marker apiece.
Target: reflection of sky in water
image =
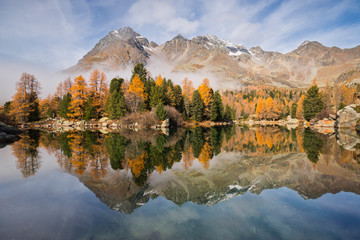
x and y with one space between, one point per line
56 205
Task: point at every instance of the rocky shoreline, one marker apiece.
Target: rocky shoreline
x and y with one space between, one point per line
346 118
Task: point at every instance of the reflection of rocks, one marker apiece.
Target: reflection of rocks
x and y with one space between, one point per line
347 117
325 126
117 190
348 139
8 134
232 174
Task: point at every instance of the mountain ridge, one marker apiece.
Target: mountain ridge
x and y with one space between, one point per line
230 62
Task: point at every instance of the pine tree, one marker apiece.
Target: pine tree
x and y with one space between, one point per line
157 96
115 106
90 111
313 103
65 105
229 113
293 110
197 106
161 112
216 108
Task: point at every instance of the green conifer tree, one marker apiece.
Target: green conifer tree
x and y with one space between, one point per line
216 113
157 96
313 103
64 106
115 105
90 112
197 106
161 113
293 110
229 113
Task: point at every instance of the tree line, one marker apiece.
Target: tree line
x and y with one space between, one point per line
82 99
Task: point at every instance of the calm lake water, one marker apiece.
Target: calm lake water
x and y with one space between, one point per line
215 183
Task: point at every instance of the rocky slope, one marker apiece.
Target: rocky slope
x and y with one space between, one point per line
228 61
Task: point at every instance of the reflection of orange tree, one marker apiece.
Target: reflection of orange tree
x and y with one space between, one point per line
263 141
98 161
25 150
79 155
137 164
205 155
188 158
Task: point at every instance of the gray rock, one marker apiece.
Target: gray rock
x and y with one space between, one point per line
347 117
103 119
165 123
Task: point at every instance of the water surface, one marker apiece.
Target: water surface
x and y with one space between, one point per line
214 183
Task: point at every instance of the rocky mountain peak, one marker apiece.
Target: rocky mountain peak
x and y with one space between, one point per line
310 47
124 33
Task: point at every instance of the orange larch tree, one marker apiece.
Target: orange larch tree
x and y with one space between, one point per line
79 96
98 91
206 96
159 81
135 95
25 105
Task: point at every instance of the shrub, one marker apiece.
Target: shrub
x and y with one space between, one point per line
176 118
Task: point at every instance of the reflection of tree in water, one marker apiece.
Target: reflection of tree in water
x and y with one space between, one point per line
115 145
312 145
25 150
94 153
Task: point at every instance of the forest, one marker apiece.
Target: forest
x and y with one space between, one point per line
94 98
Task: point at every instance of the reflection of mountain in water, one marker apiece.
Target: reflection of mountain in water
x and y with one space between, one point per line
205 166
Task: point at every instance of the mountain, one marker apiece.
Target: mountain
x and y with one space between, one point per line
232 63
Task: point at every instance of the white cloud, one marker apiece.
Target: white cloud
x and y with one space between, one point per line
161 13
44 31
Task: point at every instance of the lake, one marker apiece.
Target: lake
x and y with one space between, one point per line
201 183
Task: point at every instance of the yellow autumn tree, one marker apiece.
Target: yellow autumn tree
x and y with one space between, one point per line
206 96
188 88
25 104
79 96
98 91
159 80
135 96
300 109
261 108
137 87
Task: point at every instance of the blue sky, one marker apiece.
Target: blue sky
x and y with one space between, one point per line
55 34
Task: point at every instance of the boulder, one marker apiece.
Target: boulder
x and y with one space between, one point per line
104 124
104 119
347 117
165 123
67 123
